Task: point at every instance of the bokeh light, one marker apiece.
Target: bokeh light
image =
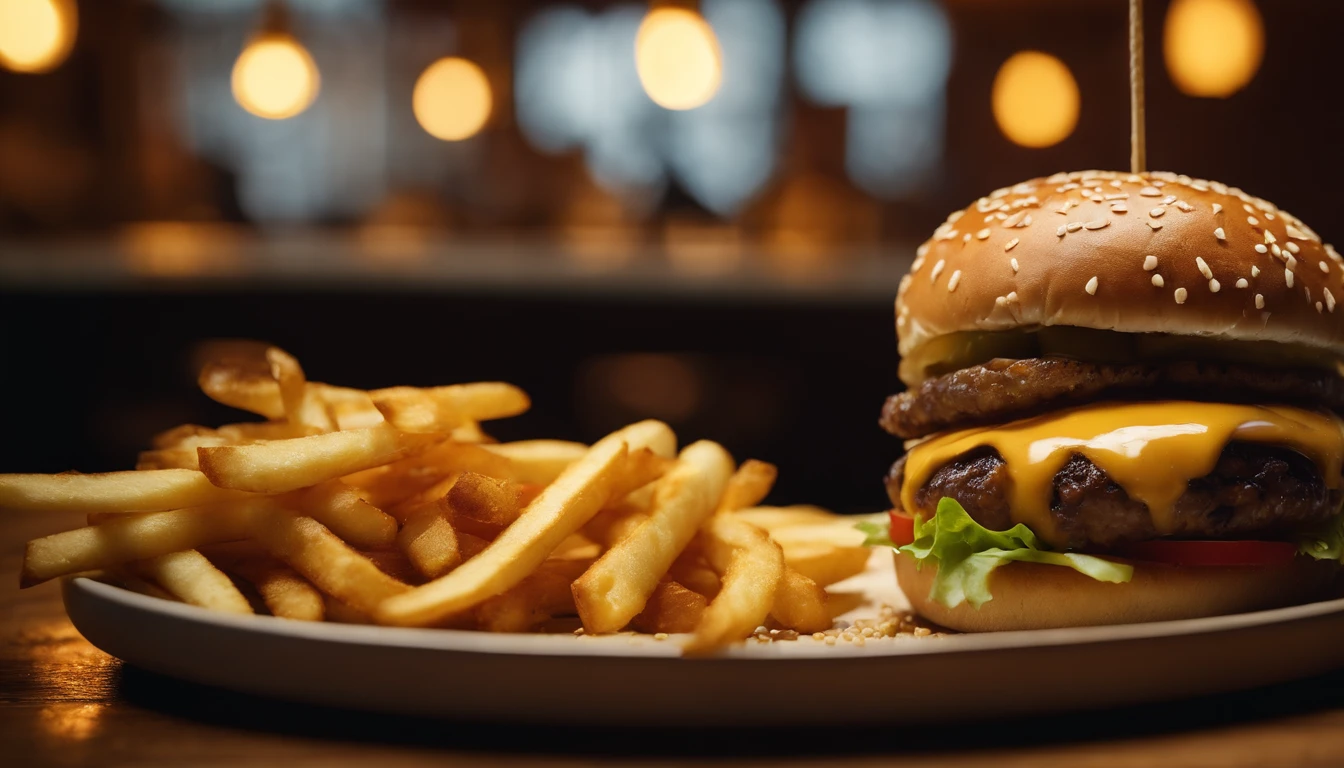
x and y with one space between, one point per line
275 77
1035 99
452 99
677 57
36 35
1213 47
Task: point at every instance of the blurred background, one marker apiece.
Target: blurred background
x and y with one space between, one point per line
696 211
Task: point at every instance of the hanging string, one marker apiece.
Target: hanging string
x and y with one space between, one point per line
1138 149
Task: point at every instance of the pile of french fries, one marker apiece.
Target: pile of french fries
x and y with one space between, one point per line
393 507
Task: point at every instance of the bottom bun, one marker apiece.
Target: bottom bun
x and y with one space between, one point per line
1035 596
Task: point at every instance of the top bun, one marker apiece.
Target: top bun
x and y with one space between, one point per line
1135 253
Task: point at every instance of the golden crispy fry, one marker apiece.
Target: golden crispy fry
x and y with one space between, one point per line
536 599
430 543
321 557
245 385
124 578
771 518
186 435
340 508
149 491
394 563
471 432
470 545
691 571
287 465
825 564
618 585
410 480
751 566
614 523
642 467
341 613
801 604
748 486
672 608
167 458
560 510
442 409
434 494
190 577
539 461
285 593
485 499
354 413
840 532
131 537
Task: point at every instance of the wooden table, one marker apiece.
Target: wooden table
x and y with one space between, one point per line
63 702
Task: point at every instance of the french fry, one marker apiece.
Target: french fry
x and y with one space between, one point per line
131 537
394 563
354 413
287 465
580 491
800 604
403 509
341 613
672 608
838 533
124 578
321 557
642 467
340 508
751 566
539 461
826 564
247 386
430 543
193 579
750 484
167 458
442 409
183 435
696 575
772 518
543 595
615 523
285 593
618 586
149 491
486 499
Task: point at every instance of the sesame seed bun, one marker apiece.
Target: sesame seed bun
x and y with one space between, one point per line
1135 253
1035 596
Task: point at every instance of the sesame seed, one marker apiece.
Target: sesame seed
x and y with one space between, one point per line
1091 286
1276 250
1203 267
1184 206
1247 208
1329 300
1180 294
1241 282
1008 246
1295 233
966 238
937 270
1062 229
1260 248
1254 222
1217 208
1158 281
989 218
1288 277
1269 237
1255 271
982 234
1118 196
1012 221
1318 307
1119 208
1013 263
1074 226
1292 247
1220 234
1169 199
830 640
921 250
1324 267
953 280
1150 192
1098 224
1158 211
1259 301
1153 225
1011 297
1097 198
1215 286
1149 263
660 636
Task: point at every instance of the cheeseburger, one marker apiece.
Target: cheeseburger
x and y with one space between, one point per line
1121 407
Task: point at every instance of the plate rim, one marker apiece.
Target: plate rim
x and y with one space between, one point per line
640 647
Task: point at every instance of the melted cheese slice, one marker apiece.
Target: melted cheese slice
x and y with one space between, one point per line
1152 450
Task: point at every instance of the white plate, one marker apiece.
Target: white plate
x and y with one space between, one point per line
638 680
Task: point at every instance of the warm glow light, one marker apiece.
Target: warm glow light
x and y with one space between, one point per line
1035 99
452 99
36 35
275 77
1213 47
677 57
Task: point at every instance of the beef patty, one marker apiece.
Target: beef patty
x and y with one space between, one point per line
1255 491
1002 390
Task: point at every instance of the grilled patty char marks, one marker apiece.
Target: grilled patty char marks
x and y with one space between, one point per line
1002 390
1255 491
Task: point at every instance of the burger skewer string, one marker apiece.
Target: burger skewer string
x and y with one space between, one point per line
1138 149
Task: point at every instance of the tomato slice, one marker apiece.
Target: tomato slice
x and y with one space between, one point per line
902 528
1210 552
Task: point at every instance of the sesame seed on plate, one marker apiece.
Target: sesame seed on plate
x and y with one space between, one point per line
1259 301
1149 263
1158 281
1091 286
1219 233
1203 267
1241 282
953 280
1180 295
1215 286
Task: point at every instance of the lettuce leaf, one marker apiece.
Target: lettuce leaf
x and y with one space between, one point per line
878 534
1327 543
966 553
